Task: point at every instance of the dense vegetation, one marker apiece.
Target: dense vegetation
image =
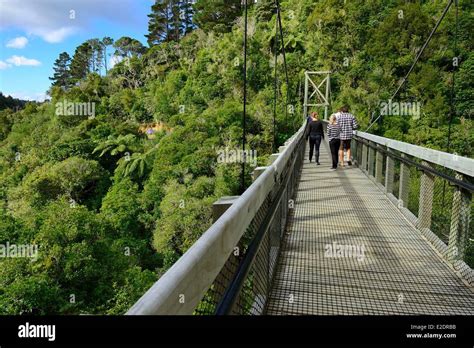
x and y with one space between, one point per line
115 197
11 103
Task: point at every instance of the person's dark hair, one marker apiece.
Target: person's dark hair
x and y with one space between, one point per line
345 108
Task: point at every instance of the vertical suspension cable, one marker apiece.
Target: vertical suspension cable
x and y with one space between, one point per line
452 113
284 60
275 86
242 179
453 77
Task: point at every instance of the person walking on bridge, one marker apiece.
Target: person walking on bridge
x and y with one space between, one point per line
347 123
315 135
334 141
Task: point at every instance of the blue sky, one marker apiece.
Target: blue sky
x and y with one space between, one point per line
34 32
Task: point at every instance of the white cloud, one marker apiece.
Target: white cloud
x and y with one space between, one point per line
115 60
55 20
39 97
4 65
18 42
20 95
20 60
55 36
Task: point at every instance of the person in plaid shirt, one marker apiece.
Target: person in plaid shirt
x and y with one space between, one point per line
347 123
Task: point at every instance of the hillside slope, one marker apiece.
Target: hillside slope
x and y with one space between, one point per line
112 207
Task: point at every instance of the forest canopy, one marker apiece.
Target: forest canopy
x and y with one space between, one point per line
114 196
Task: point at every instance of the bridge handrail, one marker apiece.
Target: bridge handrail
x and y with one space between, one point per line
457 163
183 286
433 189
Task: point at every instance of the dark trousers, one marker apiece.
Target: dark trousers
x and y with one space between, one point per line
314 143
334 145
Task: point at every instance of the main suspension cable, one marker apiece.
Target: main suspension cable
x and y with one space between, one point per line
417 57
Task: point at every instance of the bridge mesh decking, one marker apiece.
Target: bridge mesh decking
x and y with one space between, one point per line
398 272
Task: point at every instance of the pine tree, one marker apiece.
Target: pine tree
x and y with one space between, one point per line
159 27
169 20
106 41
176 21
97 54
187 12
62 74
81 62
217 15
126 47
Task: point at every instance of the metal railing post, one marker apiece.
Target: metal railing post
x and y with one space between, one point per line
389 174
218 209
404 188
378 166
371 161
460 218
360 147
364 157
426 199
306 86
257 171
355 150
220 206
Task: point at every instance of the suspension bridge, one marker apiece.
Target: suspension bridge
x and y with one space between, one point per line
400 244
390 235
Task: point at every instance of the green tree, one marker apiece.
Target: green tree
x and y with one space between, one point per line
62 74
137 164
176 20
168 21
81 62
265 9
216 15
10 102
127 47
117 145
159 26
187 13
106 42
137 282
120 207
97 56
186 214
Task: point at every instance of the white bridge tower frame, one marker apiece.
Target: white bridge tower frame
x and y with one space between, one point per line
321 99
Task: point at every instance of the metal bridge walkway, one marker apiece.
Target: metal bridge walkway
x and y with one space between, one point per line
391 235
399 272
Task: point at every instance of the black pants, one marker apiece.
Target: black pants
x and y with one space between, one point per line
314 143
334 145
